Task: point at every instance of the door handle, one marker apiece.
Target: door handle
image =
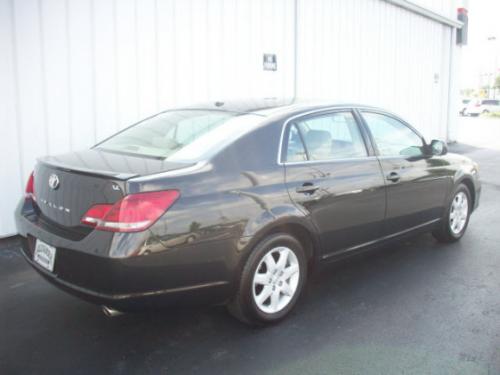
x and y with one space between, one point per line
393 176
307 188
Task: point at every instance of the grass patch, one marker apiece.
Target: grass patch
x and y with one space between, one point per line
494 114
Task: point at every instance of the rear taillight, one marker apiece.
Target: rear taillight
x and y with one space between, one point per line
30 187
477 105
95 214
132 213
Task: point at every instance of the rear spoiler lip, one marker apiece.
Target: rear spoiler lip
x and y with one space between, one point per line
88 172
188 169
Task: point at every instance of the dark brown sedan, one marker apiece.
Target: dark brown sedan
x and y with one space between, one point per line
232 204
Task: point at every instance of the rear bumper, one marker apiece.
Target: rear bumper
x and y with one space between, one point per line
200 294
200 274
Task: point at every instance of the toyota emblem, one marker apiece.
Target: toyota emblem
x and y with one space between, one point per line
53 181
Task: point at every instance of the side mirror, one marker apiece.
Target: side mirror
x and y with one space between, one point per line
438 147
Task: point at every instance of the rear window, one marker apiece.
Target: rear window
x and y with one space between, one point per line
180 135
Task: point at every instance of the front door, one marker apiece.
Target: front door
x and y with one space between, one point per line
416 182
331 176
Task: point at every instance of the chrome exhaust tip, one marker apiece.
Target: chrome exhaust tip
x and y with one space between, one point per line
110 312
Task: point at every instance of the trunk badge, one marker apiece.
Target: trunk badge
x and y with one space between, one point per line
53 181
55 206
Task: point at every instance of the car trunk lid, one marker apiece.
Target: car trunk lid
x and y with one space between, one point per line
66 186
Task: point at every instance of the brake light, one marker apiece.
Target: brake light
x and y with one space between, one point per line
132 213
95 214
477 105
30 187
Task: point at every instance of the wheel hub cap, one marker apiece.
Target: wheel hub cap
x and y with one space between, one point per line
276 280
458 212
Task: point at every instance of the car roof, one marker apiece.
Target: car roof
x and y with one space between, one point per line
274 106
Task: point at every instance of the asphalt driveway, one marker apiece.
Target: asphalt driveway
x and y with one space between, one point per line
416 307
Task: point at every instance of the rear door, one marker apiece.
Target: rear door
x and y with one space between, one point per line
332 175
416 182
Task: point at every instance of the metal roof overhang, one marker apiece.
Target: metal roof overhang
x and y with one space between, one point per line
422 11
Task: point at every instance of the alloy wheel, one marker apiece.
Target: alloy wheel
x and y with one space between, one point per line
458 212
276 280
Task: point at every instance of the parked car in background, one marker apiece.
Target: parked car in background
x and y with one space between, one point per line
234 204
463 106
482 106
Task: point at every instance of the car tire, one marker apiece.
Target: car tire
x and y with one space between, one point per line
485 112
456 218
271 281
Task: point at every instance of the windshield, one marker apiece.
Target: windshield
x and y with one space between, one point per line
180 135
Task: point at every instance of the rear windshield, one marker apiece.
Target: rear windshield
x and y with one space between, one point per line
180 135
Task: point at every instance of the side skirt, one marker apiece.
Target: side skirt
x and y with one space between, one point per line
361 248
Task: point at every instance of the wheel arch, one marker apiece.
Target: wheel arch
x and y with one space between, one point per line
467 181
301 233
296 227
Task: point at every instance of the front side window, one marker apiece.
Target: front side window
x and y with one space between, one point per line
392 137
180 135
332 136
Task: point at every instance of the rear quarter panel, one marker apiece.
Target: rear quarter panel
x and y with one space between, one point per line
239 194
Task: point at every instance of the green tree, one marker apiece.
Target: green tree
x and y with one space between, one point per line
466 92
194 226
497 83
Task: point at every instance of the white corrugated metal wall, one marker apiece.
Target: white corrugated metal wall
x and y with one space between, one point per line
370 51
75 71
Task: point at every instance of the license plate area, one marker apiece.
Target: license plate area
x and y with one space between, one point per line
44 255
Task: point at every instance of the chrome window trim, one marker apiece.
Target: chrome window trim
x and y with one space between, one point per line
388 157
320 110
368 157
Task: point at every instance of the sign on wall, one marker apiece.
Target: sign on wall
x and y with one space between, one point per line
270 62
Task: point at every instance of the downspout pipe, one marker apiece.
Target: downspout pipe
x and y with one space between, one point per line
295 47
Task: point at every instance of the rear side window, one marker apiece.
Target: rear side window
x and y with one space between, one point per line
392 137
326 137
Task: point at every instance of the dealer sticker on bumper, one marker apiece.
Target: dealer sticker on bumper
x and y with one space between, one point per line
44 255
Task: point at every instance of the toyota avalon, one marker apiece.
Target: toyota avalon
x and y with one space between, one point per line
235 203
